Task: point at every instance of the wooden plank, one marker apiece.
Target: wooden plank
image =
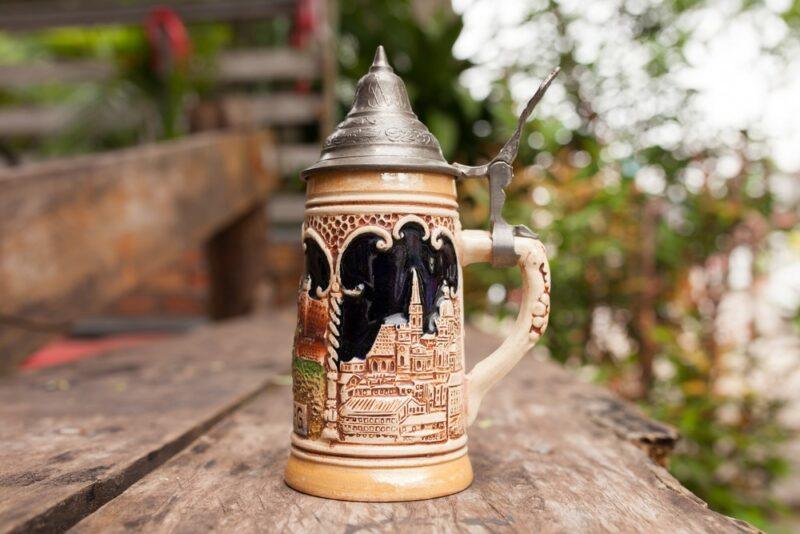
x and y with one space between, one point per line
75 234
327 38
277 109
48 72
288 209
42 120
233 66
236 264
266 64
293 158
34 121
37 14
74 437
546 459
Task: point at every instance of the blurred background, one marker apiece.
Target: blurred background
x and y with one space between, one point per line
662 170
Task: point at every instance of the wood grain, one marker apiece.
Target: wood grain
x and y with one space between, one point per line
47 72
293 158
232 66
24 121
74 437
258 65
236 264
76 233
37 14
274 109
546 459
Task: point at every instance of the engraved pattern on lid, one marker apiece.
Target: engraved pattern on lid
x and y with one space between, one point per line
381 130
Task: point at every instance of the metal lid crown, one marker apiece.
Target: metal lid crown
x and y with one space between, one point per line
381 131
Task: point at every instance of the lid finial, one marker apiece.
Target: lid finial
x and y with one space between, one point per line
380 61
381 131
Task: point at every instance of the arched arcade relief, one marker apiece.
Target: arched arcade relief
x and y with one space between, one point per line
318 274
382 276
311 344
399 360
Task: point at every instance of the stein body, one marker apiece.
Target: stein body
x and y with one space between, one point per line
378 365
381 396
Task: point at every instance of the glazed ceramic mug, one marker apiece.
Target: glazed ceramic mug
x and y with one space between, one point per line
382 399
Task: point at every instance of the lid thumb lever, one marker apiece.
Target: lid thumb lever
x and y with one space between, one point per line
500 173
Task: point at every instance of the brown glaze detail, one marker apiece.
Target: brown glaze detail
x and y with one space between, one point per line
308 365
342 183
312 322
541 311
394 202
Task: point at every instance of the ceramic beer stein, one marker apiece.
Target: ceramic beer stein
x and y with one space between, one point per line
382 399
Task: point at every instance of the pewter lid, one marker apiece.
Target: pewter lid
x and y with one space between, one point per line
381 131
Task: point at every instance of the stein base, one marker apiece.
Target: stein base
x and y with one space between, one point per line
378 484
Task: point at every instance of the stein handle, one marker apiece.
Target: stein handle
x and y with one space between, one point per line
531 321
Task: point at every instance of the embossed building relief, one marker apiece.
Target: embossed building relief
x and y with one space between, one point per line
378 348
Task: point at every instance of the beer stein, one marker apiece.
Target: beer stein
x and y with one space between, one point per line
382 400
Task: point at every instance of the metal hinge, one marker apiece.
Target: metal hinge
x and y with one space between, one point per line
500 173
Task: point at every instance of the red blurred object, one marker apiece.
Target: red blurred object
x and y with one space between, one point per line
168 38
306 20
69 350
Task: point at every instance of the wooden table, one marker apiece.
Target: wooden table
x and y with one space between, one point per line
191 435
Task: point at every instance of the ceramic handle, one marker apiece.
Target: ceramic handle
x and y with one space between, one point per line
531 321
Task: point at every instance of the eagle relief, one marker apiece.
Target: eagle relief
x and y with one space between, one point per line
378 348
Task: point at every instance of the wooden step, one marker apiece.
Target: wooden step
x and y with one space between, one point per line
36 14
50 72
34 121
295 157
266 64
277 109
232 66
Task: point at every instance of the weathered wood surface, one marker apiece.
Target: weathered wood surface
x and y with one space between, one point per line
74 234
25 121
276 109
550 454
293 158
236 264
232 66
258 65
236 66
48 72
73 437
36 14
542 464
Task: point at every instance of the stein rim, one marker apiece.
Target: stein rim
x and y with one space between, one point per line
379 163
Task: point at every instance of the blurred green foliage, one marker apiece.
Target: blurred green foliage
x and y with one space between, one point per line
616 251
135 105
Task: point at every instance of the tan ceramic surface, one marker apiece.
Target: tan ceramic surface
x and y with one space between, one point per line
393 427
378 484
